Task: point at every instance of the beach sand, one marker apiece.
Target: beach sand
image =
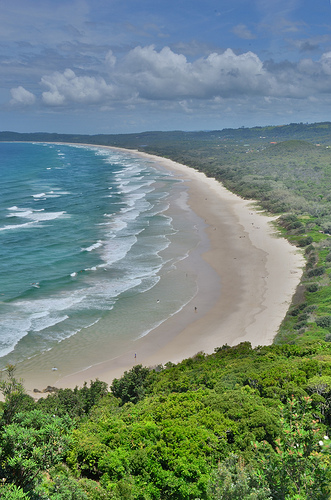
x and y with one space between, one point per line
246 282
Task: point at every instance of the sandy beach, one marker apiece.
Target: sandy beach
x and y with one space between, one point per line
258 272
246 275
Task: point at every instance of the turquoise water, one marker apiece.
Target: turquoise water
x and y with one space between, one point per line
83 231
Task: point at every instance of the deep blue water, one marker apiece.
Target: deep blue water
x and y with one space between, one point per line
81 228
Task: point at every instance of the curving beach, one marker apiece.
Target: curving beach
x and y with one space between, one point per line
246 276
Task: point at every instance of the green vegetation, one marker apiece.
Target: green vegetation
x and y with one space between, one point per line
240 423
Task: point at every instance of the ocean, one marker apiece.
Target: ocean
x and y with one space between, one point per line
91 240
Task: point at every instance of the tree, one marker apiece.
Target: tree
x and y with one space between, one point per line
297 467
31 443
12 492
132 386
233 480
15 397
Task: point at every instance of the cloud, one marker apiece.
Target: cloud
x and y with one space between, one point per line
167 75
243 32
22 97
110 59
144 74
306 46
66 88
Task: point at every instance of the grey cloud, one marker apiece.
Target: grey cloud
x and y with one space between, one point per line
307 46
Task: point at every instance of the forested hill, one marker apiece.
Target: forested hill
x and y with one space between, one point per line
315 132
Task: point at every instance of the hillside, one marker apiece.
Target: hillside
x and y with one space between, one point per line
242 421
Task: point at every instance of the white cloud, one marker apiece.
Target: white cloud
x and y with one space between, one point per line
167 75
22 97
67 88
145 74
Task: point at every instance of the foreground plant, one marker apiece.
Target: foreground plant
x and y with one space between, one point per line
297 468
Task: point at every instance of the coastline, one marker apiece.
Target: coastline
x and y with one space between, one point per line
253 275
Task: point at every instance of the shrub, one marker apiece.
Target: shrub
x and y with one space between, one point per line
12 492
305 241
324 322
297 309
296 468
132 386
309 249
301 324
317 271
233 480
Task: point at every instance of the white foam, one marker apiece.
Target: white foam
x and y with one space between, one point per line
19 212
16 226
39 195
117 248
41 321
33 215
96 245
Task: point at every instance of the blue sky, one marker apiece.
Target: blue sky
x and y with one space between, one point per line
121 66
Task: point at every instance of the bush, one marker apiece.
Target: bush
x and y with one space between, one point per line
305 241
298 309
296 468
324 322
132 386
309 249
317 271
312 288
11 492
301 324
233 480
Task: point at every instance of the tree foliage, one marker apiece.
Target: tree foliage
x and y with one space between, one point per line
214 426
132 386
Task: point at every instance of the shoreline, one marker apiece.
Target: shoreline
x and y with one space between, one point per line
257 270
259 273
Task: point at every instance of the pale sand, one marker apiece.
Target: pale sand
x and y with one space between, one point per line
258 270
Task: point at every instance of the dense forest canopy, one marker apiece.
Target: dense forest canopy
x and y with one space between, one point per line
240 423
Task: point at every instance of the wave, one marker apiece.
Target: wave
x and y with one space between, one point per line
54 193
34 215
39 195
96 245
16 226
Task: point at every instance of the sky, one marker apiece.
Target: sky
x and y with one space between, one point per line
127 66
